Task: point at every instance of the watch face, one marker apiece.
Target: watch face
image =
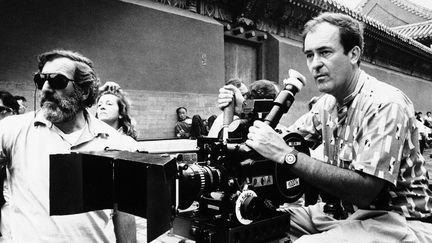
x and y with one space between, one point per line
290 159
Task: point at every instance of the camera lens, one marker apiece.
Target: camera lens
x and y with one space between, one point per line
197 180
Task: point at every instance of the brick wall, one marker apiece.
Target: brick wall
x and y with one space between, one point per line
163 56
22 88
154 111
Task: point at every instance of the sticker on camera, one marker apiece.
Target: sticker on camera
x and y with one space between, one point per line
293 183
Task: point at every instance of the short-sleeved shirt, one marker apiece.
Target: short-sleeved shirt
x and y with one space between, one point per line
379 137
26 141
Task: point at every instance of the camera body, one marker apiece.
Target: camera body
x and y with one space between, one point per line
236 188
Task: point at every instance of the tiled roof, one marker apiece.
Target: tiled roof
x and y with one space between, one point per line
373 24
405 5
413 8
361 5
417 31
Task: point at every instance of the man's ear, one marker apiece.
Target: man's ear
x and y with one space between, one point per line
355 54
85 93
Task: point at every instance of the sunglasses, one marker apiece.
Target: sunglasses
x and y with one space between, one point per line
55 80
5 110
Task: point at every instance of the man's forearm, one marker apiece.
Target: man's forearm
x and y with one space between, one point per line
124 227
355 187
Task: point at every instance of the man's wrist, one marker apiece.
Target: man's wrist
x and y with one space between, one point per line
291 157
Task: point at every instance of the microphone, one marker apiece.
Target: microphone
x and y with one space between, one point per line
285 98
281 105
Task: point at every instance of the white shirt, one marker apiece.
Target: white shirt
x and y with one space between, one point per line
26 142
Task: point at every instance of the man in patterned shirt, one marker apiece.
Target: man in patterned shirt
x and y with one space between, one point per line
372 161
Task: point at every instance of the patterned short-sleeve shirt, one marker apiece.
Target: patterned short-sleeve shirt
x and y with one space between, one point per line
379 137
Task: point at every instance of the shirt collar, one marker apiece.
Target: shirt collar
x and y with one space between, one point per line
93 128
360 82
41 120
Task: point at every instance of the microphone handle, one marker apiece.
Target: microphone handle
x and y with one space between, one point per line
281 105
228 116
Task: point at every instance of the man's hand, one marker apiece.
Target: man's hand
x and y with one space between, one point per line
263 139
226 94
110 86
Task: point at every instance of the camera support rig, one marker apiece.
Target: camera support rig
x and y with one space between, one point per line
239 191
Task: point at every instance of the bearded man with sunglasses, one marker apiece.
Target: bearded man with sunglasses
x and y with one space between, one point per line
68 85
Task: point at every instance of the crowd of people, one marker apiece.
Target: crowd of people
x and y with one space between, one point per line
369 132
424 124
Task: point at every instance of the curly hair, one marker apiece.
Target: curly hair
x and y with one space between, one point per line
85 75
125 120
263 89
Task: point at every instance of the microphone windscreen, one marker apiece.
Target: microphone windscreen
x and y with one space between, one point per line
294 82
295 79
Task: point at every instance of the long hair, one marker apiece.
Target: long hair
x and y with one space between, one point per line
263 89
197 128
210 121
125 120
85 75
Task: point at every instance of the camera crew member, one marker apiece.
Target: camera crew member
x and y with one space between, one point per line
68 85
372 160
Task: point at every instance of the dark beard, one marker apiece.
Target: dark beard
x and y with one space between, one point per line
58 110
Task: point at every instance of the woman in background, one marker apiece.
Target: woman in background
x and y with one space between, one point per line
113 108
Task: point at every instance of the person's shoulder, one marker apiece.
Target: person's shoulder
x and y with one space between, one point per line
115 138
124 142
122 138
12 127
103 127
325 101
384 93
18 121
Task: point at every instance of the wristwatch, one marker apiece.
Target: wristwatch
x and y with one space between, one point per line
291 157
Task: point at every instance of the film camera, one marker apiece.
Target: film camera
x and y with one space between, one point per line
237 190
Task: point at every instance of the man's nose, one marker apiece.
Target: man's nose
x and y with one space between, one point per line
46 86
316 63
